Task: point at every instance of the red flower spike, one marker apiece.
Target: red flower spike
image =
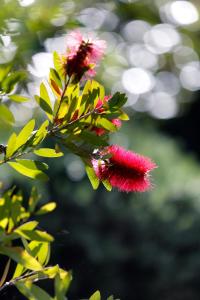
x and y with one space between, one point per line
82 54
126 170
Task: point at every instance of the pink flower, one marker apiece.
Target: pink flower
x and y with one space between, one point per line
83 54
126 170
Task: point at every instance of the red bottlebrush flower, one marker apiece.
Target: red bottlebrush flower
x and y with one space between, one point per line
83 54
126 170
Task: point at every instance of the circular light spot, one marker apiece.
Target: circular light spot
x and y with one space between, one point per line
183 55
190 76
134 31
184 12
74 167
167 82
165 106
26 2
137 80
162 38
42 62
140 56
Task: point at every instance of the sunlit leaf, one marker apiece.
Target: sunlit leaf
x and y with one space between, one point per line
24 134
11 145
11 80
96 296
21 256
18 98
47 152
92 177
6 116
29 168
46 208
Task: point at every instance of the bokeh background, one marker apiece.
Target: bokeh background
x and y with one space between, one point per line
136 246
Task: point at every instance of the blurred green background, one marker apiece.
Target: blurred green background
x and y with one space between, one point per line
136 246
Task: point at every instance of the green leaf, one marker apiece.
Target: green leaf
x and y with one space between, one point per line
62 282
6 116
32 291
44 101
96 296
29 168
5 273
18 98
33 199
47 152
55 76
58 65
92 177
41 133
36 235
11 80
4 70
106 124
21 256
107 185
27 226
46 208
24 134
11 145
117 101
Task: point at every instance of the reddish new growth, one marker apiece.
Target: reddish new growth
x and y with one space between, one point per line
82 55
99 107
126 170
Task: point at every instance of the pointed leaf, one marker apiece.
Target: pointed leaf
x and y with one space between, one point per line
21 256
24 134
47 152
96 296
94 180
29 168
6 116
11 145
18 98
46 208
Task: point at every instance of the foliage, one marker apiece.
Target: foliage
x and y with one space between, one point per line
80 120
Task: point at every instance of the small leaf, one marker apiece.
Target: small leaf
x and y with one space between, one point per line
94 180
11 145
11 80
27 226
33 199
21 256
117 101
24 134
55 76
44 106
5 273
6 116
62 282
106 124
29 168
96 296
32 291
41 133
107 185
46 208
18 98
36 235
47 152
58 64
